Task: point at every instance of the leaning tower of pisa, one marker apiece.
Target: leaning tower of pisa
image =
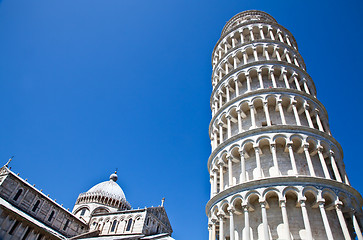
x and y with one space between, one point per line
276 171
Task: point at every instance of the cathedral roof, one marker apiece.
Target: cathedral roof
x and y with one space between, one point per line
109 188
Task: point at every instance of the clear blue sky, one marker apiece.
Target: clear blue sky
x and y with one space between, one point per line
87 86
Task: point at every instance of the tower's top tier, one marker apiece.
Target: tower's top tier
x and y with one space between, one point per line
247 16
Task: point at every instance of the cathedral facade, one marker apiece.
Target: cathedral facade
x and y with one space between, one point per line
276 171
102 212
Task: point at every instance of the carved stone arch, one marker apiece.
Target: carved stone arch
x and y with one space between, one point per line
224 203
263 141
252 70
292 189
297 137
280 136
329 192
138 216
311 194
80 208
338 155
271 191
245 142
312 140
214 209
236 198
223 117
223 153
100 209
233 149
231 108
344 198
253 99
259 44
271 98
264 66
129 217
252 196
223 156
244 102
230 80
325 145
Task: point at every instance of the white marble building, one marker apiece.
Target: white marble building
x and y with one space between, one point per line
26 213
276 172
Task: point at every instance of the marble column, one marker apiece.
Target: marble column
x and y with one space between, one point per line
306 220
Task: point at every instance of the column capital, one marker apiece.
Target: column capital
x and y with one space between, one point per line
302 201
331 153
221 215
306 105
306 146
229 117
293 101
214 220
231 210
320 202
251 105
289 144
319 148
338 204
241 151
220 163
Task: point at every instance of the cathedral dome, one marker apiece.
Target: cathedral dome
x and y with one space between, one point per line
110 188
107 193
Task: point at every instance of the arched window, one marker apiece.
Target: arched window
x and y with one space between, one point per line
36 205
51 216
147 221
157 229
17 195
129 225
83 211
113 225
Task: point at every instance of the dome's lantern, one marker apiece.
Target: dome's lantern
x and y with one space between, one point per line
114 176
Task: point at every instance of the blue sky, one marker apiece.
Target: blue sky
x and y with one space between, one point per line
88 86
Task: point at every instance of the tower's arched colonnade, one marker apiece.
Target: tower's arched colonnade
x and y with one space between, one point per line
276 172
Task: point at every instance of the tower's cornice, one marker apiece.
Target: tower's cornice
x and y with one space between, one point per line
273 129
258 63
266 91
283 181
249 23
